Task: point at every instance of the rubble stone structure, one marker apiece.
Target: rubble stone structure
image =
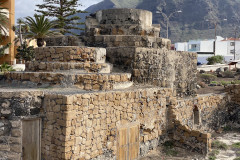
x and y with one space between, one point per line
71 104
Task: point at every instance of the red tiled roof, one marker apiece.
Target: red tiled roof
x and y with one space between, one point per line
231 39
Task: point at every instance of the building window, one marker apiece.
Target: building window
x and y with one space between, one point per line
232 43
194 46
232 51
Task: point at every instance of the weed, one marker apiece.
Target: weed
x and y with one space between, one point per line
214 82
219 145
212 157
169 148
213 154
236 145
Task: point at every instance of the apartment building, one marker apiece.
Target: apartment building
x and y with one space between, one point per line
9 56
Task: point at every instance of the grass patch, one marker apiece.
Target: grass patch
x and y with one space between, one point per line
169 148
223 83
213 154
238 158
236 145
219 145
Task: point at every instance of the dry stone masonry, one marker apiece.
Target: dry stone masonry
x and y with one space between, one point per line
70 104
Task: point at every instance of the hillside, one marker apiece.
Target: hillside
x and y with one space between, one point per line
192 22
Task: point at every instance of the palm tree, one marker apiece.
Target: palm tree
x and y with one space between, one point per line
4 21
39 27
20 22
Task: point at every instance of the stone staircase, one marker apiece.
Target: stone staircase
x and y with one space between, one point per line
73 67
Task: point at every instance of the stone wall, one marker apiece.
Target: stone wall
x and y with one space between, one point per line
89 67
85 81
62 41
193 118
233 91
70 54
121 22
160 67
211 109
85 125
166 68
15 106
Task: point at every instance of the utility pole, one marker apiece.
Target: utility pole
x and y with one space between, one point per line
167 18
215 22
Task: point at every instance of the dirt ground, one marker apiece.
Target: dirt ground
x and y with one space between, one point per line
229 139
218 89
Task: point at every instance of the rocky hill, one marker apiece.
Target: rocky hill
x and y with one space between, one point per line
192 23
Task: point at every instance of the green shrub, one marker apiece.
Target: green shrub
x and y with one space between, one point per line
228 74
25 53
219 145
214 82
225 82
6 68
214 59
235 82
207 78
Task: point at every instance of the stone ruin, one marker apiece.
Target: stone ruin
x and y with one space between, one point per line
72 104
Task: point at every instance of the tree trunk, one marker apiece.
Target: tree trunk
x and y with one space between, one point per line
20 34
40 42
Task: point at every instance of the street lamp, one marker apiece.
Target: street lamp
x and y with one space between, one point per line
168 17
215 22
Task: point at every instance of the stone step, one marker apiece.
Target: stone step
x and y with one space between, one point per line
70 54
87 67
85 81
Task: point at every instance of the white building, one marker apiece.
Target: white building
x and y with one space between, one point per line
205 48
229 46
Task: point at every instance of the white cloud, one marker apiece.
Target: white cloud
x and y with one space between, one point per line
24 8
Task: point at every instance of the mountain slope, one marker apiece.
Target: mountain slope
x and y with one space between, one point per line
196 20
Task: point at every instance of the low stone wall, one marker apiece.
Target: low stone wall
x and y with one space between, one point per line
85 81
211 111
193 118
86 125
234 93
62 41
15 106
70 54
87 67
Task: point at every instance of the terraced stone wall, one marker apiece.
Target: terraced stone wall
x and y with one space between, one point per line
62 41
160 67
15 106
70 54
86 125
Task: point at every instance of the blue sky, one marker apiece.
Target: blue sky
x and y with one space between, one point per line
24 8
